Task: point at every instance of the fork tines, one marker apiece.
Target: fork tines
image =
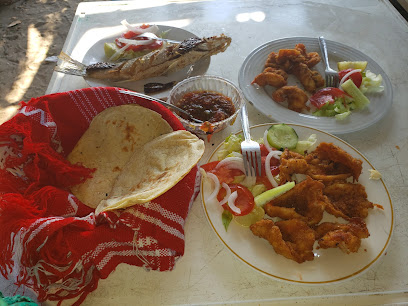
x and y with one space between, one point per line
252 162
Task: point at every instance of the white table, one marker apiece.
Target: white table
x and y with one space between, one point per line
208 272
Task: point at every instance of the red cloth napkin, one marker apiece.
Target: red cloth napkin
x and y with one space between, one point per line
53 243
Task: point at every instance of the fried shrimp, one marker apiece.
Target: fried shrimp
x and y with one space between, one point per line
293 238
347 200
298 62
311 58
304 201
271 76
330 159
306 76
346 237
295 96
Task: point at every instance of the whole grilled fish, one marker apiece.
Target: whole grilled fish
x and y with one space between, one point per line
156 63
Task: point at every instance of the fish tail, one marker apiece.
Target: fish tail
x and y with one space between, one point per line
70 66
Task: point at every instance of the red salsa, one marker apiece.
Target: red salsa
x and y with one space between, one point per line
207 105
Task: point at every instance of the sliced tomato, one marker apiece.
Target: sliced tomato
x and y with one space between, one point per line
133 35
356 76
325 95
224 174
244 201
264 150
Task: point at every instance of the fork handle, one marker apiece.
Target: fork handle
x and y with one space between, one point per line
245 123
323 48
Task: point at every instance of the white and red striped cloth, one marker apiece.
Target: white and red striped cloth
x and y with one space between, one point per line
53 243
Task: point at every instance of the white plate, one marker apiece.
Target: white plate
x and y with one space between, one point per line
329 265
96 54
261 99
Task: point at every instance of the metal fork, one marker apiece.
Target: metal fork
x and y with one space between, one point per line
331 75
169 105
251 150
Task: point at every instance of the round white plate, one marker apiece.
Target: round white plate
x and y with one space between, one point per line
261 99
329 265
96 54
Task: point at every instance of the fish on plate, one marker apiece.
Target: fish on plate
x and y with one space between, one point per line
156 63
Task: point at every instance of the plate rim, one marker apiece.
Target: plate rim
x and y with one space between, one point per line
310 119
359 272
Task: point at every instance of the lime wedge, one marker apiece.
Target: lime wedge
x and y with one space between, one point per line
254 216
353 65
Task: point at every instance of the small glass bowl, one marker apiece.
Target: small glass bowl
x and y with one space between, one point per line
210 83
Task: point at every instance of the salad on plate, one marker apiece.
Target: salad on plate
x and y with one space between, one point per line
355 84
138 40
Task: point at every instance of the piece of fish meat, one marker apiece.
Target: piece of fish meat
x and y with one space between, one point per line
163 61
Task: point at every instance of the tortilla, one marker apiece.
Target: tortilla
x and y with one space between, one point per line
153 169
111 139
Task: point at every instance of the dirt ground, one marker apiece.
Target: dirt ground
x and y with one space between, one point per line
30 31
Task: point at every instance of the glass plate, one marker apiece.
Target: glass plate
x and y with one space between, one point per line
261 99
329 265
96 54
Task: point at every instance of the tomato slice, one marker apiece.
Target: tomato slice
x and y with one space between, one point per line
132 35
244 201
224 174
356 76
325 95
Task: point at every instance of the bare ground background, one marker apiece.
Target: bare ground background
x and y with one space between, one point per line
30 31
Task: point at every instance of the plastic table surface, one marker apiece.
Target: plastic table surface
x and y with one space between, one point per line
208 273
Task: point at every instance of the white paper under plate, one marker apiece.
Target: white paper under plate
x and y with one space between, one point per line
96 54
329 265
262 100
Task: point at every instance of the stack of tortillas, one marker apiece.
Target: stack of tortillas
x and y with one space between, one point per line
137 157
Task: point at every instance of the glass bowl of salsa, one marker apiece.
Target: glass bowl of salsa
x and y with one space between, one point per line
213 100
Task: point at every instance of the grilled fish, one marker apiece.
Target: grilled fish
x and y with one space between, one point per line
166 60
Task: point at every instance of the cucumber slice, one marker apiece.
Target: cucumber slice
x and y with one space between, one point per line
359 98
281 136
271 194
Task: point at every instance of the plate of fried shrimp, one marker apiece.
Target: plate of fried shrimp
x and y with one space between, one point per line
280 76
333 225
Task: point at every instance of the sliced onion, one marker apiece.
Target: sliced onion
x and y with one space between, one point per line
217 186
347 75
268 166
232 163
228 189
118 52
266 142
231 203
136 42
137 30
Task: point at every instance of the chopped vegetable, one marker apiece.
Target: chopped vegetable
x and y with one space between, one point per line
231 143
371 83
354 74
254 216
326 95
306 145
360 100
271 194
374 174
281 136
352 64
226 218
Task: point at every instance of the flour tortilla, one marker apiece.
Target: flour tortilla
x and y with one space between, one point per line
153 169
111 139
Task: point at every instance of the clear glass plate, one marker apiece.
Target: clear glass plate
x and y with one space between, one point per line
261 99
96 54
329 265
